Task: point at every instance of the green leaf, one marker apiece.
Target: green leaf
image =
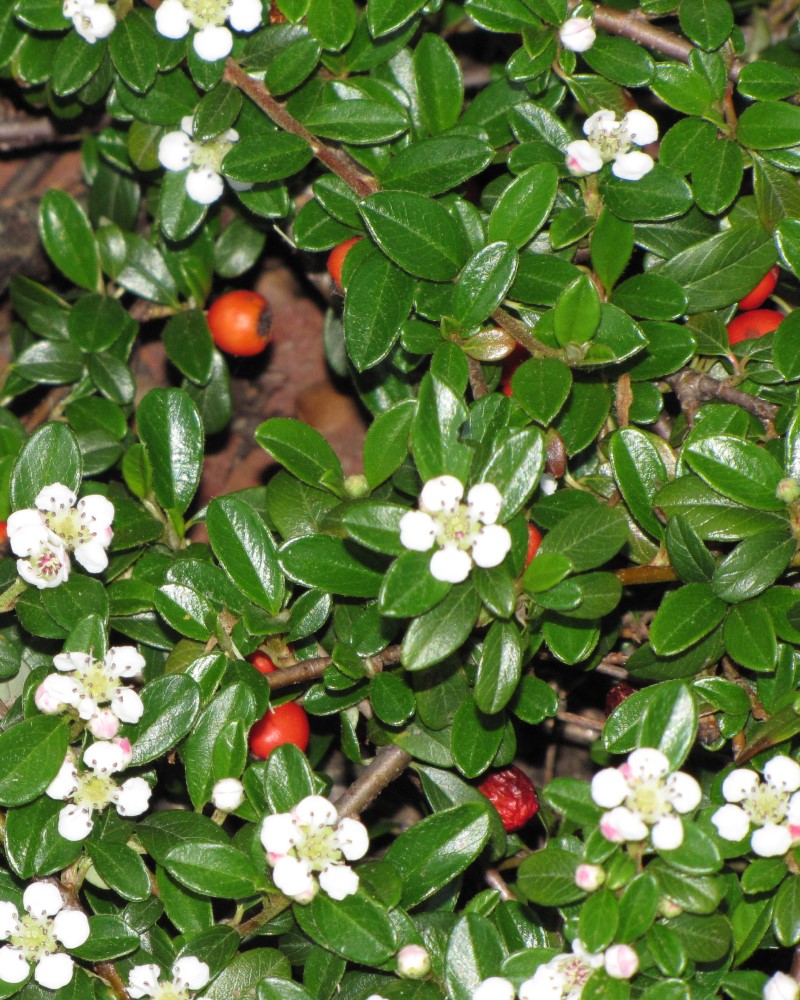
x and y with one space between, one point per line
212 869
737 469
475 738
109 937
246 551
430 854
258 158
240 979
514 469
146 273
599 919
706 22
755 564
216 112
690 559
50 455
31 752
786 348
303 451
387 442
392 700
361 122
621 61
385 16
541 387
330 564
717 177
577 312
645 719
357 927
440 89
583 416
651 296
547 877
408 589
50 363
172 434
187 341
133 50
786 915
433 636
712 515
121 867
611 246
69 240
587 537
179 215
777 197
640 473
484 282
431 166
499 669
750 637
417 233
436 431
769 125
379 298
524 205
659 195
171 704
332 22
684 617
474 953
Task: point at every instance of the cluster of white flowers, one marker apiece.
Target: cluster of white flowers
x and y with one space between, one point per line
212 40
771 805
577 34
91 20
44 535
781 987
87 685
33 938
188 974
564 976
311 838
93 790
465 533
178 151
608 139
643 797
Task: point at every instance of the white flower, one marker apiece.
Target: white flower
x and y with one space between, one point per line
589 877
212 40
632 166
494 988
610 140
577 34
94 790
781 987
91 684
642 795
179 151
43 535
312 839
227 794
91 20
772 805
33 938
413 962
621 961
563 976
188 973
466 533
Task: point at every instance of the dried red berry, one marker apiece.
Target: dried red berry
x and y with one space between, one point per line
617 695
513 795
510 365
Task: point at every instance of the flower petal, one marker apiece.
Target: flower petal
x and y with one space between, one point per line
771 841
191 972
417 531
667 834
450 565
338 881
632 166
484 501
609 787
212 43
42 899
732 823
441 494
245 15
491 546
783 772
172 20
71 927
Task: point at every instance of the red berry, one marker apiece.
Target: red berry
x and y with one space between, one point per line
287 723
336 259
512 362
762 291
617 695
756 323
262 662
513 795
3 532
240 323
534 541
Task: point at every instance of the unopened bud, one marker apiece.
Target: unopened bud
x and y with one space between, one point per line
621 961
413 962
589 877
788 490
227 794
356 487
668 908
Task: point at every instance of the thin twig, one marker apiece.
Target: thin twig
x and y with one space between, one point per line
692 389
633 575
386 766
495 880
335 160
107 971
476 380
517 329
307 670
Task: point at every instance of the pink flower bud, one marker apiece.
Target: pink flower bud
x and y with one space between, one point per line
413 962
621 961
589 877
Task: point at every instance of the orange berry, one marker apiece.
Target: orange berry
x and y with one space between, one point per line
240 323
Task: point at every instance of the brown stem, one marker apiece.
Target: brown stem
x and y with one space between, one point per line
386 766
334 159
495 880
308 670
523 335
632 575
692 389
107 971
476 380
